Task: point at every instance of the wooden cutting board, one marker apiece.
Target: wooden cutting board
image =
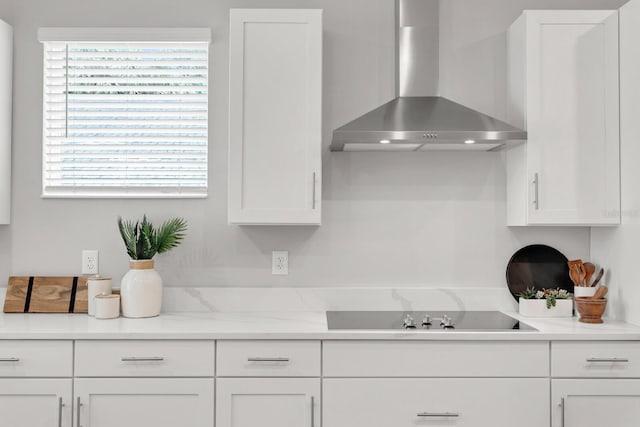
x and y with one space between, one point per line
38 294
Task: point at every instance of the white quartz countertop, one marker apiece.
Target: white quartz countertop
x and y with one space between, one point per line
278 325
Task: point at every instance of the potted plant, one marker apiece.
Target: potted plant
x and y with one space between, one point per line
545 303
141 287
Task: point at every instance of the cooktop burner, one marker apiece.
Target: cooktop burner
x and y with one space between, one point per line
426 321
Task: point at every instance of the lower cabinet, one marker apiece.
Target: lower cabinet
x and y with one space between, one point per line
143 402
35 402
596 403
404 402
268 402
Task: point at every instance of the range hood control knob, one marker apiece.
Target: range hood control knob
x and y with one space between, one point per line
408 322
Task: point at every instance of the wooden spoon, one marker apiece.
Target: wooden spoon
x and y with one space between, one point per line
589 269
574 271
582 273
573 274
598 277
601 292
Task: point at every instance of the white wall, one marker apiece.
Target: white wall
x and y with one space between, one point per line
617 248
473 44
388 219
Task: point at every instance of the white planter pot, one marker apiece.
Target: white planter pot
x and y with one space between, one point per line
538 308
141 290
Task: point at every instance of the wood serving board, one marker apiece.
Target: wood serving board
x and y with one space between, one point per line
37 294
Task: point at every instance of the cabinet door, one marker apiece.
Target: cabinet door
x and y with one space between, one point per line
275 63
595 403
573 117
6 71
405 402
35 403
145 402
284 402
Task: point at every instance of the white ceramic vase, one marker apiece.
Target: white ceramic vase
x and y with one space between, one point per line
141 290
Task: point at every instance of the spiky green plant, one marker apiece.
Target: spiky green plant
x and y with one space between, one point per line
143 241
529 293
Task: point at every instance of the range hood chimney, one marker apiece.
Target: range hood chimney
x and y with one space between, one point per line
417 119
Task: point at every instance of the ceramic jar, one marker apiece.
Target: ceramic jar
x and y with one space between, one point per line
141 290
96 286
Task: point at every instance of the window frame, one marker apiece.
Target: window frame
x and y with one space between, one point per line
123 35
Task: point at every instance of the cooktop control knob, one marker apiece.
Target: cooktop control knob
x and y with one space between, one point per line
408 322
427 320
447 323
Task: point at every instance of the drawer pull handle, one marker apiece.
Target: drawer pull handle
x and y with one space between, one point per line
9 359
438 414
143 359
607 360
268 359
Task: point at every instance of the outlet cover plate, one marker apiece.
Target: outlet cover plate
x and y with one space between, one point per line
280 263
89 262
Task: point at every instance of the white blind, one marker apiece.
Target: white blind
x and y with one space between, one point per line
125 119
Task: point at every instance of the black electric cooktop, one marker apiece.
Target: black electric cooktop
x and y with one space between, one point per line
487 321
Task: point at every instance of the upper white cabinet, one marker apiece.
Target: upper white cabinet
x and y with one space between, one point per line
564 90
6 69
275 115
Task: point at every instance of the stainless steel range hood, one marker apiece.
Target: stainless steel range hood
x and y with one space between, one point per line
413 121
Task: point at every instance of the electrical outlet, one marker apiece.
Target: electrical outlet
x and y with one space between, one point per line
280 262
89 262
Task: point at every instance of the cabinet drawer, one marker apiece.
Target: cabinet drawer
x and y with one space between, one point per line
36 358
595 359
435 359
268 358
145 358
468 402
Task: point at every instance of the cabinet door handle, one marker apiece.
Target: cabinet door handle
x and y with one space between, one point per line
313 203
313 410
60 406
438 414
607 360
536 188
268 359
561 412
143 359
9 359
78 412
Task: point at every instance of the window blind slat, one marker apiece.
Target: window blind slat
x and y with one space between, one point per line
131 118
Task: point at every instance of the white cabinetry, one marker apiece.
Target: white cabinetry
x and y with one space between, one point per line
275 114
143 402
265 399
564 90
462 383
30 396
6 84
382 402
595 384
106 399
35 402
596 403
268 402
